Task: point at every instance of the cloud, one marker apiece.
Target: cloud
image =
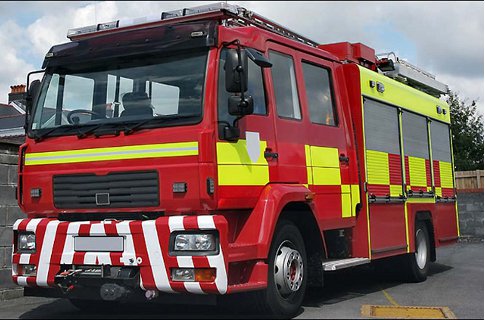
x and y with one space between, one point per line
444 38
14 69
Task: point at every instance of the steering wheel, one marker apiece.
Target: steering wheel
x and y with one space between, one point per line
71 121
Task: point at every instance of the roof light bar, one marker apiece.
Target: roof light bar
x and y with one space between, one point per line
153 18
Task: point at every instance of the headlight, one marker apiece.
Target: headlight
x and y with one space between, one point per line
197 242
26 241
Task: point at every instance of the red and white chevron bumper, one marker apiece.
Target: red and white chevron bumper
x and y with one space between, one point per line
146 246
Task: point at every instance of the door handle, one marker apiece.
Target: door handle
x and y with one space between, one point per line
343 158
270 155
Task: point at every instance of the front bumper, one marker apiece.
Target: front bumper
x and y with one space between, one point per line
146 247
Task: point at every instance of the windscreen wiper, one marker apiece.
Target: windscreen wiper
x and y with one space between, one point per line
137 126
83 134
40 136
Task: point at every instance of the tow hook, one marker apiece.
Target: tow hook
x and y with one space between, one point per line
113 292
67 285
151 294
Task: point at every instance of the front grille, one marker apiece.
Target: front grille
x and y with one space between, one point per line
114 190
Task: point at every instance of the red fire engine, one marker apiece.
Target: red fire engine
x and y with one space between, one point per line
210 151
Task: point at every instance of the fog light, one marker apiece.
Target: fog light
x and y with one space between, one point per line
35 193
27 270
179 187
191 275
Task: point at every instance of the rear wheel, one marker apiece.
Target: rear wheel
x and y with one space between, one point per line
287 274
418 262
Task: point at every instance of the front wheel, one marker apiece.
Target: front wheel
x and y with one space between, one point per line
287 274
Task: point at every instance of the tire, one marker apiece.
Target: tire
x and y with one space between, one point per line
418 262
286 286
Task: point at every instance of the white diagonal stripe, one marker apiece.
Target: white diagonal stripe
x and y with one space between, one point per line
155 254
46 253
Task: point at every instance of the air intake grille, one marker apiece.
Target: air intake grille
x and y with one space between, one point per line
114 190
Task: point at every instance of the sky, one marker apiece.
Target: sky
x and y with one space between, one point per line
443 38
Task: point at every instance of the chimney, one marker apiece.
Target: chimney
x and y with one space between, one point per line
17 93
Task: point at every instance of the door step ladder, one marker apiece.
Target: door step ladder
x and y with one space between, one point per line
333 265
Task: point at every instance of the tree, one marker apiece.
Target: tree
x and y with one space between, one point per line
467 133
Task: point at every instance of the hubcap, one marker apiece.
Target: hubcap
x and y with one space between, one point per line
421 249
288 270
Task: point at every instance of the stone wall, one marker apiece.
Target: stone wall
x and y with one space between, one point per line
470 213
9 211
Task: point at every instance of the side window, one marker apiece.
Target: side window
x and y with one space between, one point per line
285 87
440 142
255 90
319 94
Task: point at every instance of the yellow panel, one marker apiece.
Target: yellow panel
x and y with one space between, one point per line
345 188
324 157
446 175
377 167
309 175
438 191
402 95
417 172
396 190
326 176
241 175
236 153
346 205
308 155
355 193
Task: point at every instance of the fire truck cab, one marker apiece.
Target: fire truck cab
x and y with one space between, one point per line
210 151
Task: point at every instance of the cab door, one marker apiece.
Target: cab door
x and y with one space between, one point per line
327 138
243 170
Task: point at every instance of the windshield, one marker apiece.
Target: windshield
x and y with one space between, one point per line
128 90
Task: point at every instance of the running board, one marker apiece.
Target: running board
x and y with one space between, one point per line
333 265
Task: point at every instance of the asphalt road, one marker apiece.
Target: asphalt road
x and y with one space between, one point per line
456 281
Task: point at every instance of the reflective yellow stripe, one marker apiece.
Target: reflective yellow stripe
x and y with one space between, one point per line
235 168
346 205
236 153
243 175
377 167
446 175
308 159
326 176
417 172
113 153
355 193
324 157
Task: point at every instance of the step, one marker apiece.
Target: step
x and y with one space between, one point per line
333 265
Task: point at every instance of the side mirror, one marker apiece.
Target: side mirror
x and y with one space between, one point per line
32 94
31 98
236 73
240 107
